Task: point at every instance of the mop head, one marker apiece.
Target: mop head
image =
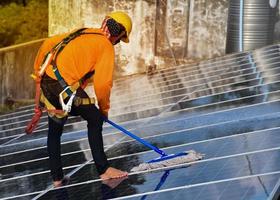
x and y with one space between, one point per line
190 157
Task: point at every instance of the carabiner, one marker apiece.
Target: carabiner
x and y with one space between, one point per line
66 107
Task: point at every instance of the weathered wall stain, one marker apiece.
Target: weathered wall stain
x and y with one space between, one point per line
16 65
162 29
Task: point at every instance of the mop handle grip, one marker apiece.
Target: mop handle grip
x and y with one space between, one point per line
147 144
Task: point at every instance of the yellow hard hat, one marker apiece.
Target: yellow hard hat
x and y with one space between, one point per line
123 19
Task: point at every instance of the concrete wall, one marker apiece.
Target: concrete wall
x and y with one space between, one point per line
67 15
162 29
16 65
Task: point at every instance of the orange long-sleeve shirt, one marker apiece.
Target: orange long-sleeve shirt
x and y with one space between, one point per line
83 54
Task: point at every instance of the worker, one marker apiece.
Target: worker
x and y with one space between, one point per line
88 56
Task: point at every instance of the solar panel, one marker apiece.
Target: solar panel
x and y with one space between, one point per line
226 108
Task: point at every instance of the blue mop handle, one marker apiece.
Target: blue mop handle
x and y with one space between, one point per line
147 144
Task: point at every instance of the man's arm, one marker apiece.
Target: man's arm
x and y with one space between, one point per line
103 78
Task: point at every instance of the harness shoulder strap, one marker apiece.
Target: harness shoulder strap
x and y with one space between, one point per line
58 48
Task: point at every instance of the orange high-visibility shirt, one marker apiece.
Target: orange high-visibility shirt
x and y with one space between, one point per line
85 53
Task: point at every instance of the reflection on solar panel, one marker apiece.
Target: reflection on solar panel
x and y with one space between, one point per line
227 108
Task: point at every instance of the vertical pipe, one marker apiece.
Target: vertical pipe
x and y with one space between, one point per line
241 13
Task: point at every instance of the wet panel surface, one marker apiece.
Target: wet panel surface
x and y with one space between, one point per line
198 173
164 139
229 110
250 188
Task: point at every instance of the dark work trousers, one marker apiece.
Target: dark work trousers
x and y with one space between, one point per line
51 88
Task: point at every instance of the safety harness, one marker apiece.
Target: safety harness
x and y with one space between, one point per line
68 92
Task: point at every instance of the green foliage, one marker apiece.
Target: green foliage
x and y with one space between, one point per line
21 22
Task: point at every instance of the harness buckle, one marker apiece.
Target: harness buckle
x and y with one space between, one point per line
66 107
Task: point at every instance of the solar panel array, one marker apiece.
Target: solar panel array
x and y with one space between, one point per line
226 108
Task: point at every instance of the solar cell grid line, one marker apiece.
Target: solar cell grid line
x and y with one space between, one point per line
164 192
242 56
218 69
232 83
194 143
13 117
237 174
21 135
18 110
161 95
68 133
38 139
205 93
191 78
220 79
221 93
21 130
85 163
260 132
161 135
185 90
26 120
191 74
146 112
226 109
220 169
21 123
2 141
248 188
25 107
174 188
72 172
132 129
275 193
223 67
7 114
159 170
16 118
217 90
129 141
180 68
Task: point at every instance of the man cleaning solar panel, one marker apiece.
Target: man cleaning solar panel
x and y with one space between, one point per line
63 67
